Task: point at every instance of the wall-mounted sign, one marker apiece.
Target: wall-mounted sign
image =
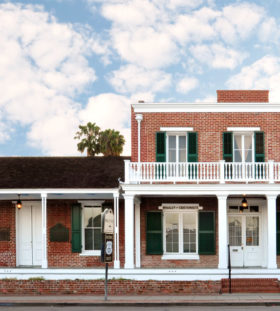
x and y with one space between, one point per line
108 221
107 248
179 206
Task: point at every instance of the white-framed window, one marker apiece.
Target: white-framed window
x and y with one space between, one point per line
91 227
243 147
180 234
176 147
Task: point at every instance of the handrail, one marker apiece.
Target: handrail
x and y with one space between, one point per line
229 270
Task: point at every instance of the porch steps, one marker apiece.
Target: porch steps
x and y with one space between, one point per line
251 286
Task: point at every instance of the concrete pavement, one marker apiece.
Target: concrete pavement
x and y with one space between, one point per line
186 300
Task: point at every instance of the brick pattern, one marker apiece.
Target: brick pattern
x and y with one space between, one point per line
251 286
242 96
210 127
115 287
8 248
155 261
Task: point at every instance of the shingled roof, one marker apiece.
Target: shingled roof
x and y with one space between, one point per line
61 172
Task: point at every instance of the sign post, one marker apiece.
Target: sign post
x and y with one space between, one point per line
107 223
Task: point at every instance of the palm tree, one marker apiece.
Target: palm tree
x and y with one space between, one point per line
89 138
111 142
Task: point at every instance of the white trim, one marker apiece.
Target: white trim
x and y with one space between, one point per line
176 129
180 257
58 191
90 253
95 203
205 107
243 129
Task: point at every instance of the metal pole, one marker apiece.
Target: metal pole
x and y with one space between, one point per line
106 281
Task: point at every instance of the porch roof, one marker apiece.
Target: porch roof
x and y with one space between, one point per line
61 172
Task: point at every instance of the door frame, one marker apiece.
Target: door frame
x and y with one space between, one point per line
24 203
262 221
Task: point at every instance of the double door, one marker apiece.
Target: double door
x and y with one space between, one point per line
244 240
29 235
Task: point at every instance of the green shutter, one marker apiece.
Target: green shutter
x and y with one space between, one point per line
206 233
192 147
160 147
154 233
76 229
278 232
259 147
227 147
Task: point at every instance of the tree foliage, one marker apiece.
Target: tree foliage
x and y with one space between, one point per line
94 141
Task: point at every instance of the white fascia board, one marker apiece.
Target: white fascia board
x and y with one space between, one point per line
176 129
58 191
201 189
205 107
243 129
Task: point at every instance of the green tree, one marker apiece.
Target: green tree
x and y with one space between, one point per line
89 136
111 142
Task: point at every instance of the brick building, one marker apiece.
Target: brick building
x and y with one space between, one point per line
201 188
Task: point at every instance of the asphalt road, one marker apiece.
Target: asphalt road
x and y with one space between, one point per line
133 308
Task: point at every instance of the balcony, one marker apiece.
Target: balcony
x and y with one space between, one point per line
201 172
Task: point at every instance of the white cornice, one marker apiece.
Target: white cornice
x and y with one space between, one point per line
206 107
58 191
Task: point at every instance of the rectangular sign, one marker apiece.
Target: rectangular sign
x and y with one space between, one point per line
107 248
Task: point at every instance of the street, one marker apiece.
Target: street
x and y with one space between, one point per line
134 308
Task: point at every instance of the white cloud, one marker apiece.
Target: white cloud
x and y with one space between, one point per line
262 74
186 84
43 66
217 56
109 111
131 79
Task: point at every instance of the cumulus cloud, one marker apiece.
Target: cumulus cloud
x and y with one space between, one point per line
43 66
262 74
131 79
186 84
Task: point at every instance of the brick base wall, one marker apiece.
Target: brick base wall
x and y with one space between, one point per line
115 287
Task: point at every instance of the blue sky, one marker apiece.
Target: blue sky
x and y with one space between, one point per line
67 62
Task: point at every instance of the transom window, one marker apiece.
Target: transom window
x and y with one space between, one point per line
243 145
180 232
177 148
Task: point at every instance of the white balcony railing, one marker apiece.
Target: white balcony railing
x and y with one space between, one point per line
153 172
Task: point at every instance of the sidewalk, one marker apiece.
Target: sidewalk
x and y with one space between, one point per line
187 300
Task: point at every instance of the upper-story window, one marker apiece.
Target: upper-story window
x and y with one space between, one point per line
243 147
177 148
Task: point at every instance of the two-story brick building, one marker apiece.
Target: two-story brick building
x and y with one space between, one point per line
201 176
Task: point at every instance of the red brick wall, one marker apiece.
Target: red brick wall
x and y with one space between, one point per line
242 96
155 261
115 287
210 127
8 248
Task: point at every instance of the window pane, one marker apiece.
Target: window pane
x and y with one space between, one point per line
172 155
189 232
92 217
172 236
237 156
182 156
252 231
172 142
97 239
234 225
248 142
182 142
88 239
248 155
237 142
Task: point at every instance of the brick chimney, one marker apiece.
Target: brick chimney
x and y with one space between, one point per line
242 96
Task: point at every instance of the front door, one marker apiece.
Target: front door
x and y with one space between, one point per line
29 235
244 240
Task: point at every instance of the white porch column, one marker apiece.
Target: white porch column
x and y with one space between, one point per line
222 231
116 231
271 232
139 118
129 231
137 234
44 231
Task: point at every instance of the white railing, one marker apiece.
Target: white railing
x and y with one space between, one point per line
137 172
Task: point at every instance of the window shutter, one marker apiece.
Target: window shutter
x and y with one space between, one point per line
259 147
160 147
278 232
206 233
227 147
154 233
76 228
192 147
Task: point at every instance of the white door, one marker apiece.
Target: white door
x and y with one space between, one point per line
29 235
244 240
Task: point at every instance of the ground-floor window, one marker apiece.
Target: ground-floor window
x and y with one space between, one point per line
180 232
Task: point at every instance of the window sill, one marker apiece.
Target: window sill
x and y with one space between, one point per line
180 257
90 253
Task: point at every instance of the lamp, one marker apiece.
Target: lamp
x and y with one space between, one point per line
244 204
19 204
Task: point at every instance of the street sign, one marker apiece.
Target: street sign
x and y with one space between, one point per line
107 248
